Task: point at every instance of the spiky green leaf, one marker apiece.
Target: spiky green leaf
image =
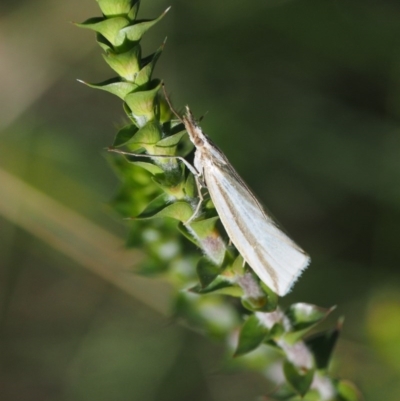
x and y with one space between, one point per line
299 378
109 28
154 207
178 210
273 298
323 344
115 7
205 228
171 140
147 136
126 64
302 315
252 334
134 33
132 14
219 286
188 234
103 42
142 103
190 186
207 272
150 167
144 75
124 135
114 86
303 318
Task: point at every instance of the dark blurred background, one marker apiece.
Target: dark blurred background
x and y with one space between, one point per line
303 97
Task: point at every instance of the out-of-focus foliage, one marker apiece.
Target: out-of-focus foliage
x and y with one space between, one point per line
315 83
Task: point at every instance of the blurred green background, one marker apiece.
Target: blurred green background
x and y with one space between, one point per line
303 97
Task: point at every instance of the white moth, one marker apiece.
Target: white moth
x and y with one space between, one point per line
273 256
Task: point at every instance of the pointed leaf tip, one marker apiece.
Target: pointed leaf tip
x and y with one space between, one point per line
304 315
114 85
134 32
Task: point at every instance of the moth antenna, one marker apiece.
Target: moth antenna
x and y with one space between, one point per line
170 104
192 118
202 117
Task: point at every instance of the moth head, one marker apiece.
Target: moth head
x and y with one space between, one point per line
196 135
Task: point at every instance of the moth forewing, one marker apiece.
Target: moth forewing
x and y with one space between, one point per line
273 256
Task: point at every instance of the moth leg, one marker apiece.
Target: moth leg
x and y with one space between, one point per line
183 160
199 185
